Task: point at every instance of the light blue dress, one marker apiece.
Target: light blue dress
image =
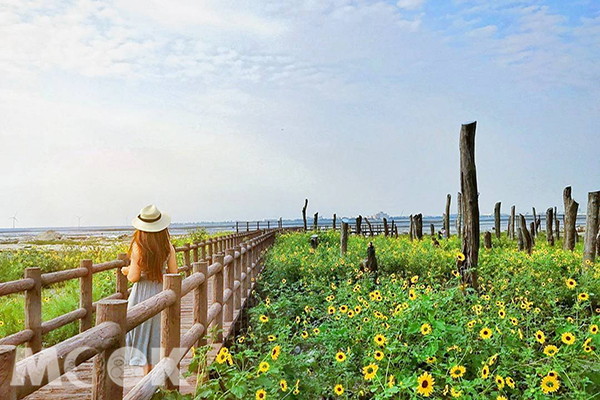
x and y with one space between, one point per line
143 341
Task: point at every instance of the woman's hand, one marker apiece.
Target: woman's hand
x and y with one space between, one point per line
125 271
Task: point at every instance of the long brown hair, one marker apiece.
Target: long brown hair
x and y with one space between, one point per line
153 247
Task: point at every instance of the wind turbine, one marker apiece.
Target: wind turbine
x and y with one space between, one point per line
14 219
79 220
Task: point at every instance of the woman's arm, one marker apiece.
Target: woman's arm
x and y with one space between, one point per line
133 272
172 263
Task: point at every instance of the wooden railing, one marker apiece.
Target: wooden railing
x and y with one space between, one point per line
232 260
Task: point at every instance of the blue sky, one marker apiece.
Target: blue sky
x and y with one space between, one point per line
239 109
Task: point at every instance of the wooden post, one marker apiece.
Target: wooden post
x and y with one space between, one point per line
195 257
447 217
527 240
359 225
258 225
201 300
33 309
268 224
187 259
304 214
556 225
512 222
344 238
369 225
385 227
418 226
170 325
218 298
549 225
497 219
487 240
520 241
228 315
468 188
534 231
122 282
571 207
411 229
237 274
247 226
237 227
86 295
432 228
316 222
371 264
8 356
107 380
334 221
591 228
244 267
458 216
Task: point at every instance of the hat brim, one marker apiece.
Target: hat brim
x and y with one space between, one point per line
162 223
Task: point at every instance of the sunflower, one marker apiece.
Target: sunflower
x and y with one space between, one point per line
261 394
550 350
571 283
412 295
509 382
457 371
263 318
485 372
343 309
340 357
514 321
304 334
275 352
550 385
331 310
369 371
316 331
263 366
378 355
583 296
431 360
271 338
568 338
540 337
499 381
426 383
283 385
471 324
380 339
594 329
460 257
552 374
502 313
485 333
338 389
501 398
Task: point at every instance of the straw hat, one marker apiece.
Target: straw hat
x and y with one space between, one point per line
150 219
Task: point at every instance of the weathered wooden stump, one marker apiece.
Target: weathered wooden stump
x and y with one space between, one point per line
344 238
359 225
314 241
447 216
304 215
525 235
591 227
549 225
571 207
497 219
487 240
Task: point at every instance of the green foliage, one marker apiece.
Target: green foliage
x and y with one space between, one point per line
314 304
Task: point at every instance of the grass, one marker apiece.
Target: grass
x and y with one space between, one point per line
323 328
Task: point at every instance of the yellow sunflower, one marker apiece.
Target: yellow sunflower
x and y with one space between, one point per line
263 366
340 357
338 389
550 385
380 339
485 333
485 372
426 383
499 381
263 318
283 385
583 296
425 329
550 350
509 382
378 355
540 337
594 329
571 283
370 371
261 394
568 338
275 352
457 371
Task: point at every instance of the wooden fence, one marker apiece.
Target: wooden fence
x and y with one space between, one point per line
232 260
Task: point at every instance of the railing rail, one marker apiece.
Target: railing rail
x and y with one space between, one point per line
233 275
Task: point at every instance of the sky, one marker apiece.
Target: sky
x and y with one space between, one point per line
222 110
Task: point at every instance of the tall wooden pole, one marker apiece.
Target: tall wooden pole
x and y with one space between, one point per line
304 214
458 214
571 207
534 232
512 222
549 225
447 217
527 239
468 188
334 222
591 228
344 238
497 219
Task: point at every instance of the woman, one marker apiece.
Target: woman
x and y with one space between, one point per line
152 255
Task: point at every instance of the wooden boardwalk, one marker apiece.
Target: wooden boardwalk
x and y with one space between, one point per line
76 384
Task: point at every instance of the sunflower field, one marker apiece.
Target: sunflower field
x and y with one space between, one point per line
322 328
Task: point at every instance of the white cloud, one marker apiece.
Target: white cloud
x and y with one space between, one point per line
410 4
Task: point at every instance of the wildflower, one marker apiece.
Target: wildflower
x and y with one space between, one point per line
485 372
455 393
540 337
571 283
338 389
460 257
501 398
457 371
568 338
552 374
340 357
499 382
271 338
380 340
514 321
283 385
316 331
263 366
550 385
502 313
431 360
369 371
304 334
425 329
485 333
471 324
412 295
509 382
275 352
594 329
263 318
343 309
550 350
583 296
331 310
426 383
391 381
261 394
378 355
